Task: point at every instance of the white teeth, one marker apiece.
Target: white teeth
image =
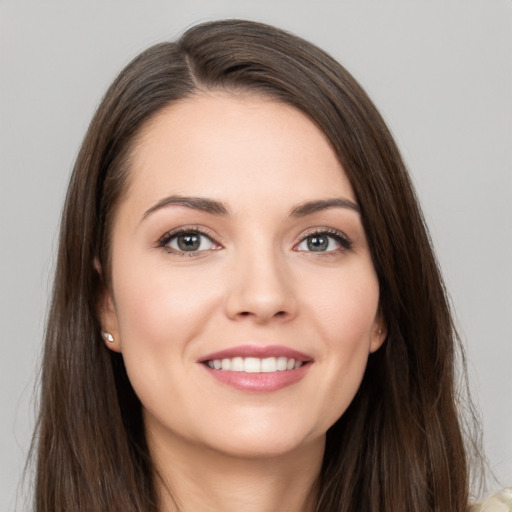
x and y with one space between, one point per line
269 365
237 364
252 365
281 363
255 364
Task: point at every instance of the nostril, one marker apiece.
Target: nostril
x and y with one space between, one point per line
262 305
279 314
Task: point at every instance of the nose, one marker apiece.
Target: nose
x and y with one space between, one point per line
260 288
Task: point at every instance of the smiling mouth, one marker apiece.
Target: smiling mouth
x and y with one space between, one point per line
257 368
255 364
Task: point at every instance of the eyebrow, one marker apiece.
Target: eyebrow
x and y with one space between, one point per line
214 207
316 206
196 203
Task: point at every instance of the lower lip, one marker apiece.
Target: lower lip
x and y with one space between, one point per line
259 382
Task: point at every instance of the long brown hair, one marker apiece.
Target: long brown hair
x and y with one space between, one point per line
399 446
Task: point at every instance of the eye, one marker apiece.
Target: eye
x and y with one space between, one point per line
324 241
188 241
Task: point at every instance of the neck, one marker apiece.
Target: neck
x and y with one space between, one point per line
193 478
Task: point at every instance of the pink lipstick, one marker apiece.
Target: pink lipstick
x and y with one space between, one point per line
257 368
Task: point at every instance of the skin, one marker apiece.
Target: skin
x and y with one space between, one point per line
254 281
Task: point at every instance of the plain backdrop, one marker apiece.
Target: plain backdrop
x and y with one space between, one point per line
440 72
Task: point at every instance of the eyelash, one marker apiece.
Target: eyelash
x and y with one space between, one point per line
186 230
342 239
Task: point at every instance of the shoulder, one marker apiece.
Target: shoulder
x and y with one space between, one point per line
500 502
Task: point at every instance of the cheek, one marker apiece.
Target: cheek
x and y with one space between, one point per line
344 316
346 307
158 307
160 311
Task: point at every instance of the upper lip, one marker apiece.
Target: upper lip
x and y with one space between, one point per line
257 351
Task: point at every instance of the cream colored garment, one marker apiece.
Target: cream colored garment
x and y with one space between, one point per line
500 502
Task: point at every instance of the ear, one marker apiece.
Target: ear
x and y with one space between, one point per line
379 333
106 313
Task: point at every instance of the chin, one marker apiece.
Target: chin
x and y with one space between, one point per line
264 451
262 442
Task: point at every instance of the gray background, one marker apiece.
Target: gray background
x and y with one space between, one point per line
440 71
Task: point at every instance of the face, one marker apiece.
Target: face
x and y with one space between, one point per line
244 299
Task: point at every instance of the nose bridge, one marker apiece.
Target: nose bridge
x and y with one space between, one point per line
260 284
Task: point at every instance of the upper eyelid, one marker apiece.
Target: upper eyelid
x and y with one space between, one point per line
201 230
343 239
312 231
215 238
324 231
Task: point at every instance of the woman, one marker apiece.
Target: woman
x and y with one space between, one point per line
247 313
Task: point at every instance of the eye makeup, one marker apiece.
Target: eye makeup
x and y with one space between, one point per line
322 241
188 241
195 240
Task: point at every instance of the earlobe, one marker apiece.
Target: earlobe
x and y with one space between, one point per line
379 335
97 266
107 314
111 342
107 336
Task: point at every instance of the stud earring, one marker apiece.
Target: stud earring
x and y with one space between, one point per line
107 336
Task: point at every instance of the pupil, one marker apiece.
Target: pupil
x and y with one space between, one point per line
318 243
189 242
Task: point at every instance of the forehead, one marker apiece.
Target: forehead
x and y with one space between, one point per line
221 144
